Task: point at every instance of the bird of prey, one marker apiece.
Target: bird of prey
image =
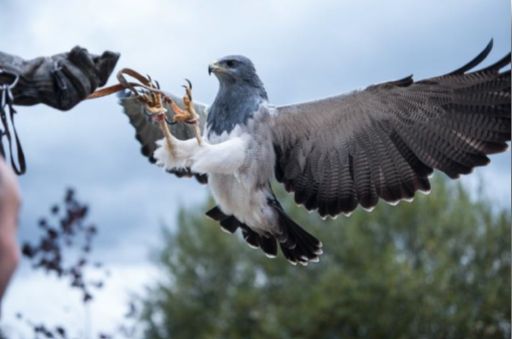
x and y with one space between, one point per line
334 153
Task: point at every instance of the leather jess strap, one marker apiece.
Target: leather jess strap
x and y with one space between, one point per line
9 128
144 82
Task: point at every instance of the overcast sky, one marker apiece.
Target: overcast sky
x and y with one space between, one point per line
302 50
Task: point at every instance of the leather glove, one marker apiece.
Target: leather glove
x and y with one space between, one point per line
60 81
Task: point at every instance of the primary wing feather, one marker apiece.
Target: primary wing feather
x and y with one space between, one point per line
148 132
384 141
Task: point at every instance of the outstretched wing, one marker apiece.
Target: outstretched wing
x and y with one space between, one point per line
147 132
384 141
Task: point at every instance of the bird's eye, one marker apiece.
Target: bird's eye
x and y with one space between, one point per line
230 63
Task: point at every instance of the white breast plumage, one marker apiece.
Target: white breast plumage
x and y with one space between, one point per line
214 138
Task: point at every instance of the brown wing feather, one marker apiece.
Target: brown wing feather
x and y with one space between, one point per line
384 141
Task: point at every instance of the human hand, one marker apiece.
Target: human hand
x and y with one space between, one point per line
9 208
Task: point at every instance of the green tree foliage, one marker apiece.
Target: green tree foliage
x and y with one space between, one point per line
435 268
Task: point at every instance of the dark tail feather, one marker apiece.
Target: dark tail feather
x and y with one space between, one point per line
268 244
297 245
227 223
216 214
230 224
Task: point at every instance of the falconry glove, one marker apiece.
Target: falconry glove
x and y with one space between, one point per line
60 81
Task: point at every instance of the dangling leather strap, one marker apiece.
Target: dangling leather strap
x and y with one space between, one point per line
144 82
6 100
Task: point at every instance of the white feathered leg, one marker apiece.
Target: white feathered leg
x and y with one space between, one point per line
222 158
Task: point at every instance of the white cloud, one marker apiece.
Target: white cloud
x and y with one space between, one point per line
45 299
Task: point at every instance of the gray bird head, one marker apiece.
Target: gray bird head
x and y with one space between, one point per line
235 69
240 94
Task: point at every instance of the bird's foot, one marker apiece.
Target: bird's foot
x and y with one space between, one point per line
153 101
188 113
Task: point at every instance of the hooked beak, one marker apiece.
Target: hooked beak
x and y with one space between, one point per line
213 68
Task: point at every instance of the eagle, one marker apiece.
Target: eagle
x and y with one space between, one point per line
334 154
